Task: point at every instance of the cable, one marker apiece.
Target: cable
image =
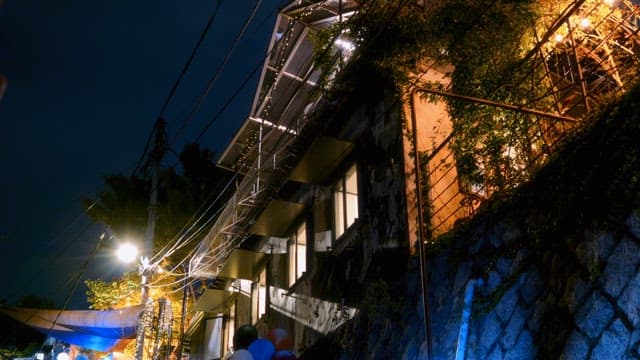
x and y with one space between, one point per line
75 286
190 60
193 223
218 71
185 68
258 67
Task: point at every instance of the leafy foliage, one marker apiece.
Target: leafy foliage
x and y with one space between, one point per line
122 292
488 47
123 204
123 207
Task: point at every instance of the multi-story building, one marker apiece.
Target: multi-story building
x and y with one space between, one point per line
345 175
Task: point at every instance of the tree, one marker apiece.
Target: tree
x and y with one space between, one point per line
122 206
123 203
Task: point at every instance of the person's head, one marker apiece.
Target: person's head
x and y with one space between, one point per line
244 336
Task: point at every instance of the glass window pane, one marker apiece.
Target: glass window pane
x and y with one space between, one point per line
262 301
254 302
352 208
301 234
352 181
338 217
292 262
262 293
302 259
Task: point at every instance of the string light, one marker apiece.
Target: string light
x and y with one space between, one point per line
585 23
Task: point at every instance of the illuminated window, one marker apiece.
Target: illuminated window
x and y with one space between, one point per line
345 201
298 254
259 297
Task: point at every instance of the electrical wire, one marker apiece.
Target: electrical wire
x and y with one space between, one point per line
179 242
174 88
75 286
218 71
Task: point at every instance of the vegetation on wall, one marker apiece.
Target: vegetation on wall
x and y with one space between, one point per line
592 182
490 46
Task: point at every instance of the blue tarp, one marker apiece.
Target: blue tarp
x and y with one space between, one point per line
99 330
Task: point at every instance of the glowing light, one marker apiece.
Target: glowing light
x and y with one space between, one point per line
610 2
345 44
559 38
585 23
62 356
127 252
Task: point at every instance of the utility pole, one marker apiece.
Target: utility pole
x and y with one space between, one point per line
146 269
155 157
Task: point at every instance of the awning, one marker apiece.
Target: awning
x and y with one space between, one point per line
277 218
99 330
241 264
322 157
212 300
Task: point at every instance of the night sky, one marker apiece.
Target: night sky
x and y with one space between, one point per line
87 81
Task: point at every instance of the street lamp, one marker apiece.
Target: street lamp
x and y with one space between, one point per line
127 252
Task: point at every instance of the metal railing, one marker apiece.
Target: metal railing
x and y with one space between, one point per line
588 55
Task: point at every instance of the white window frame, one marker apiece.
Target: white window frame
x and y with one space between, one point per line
259 296
297 254
345 201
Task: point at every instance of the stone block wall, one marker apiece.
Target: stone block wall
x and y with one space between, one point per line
557 265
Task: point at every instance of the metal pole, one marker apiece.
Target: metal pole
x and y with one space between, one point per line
155 157
420 234
583 82
497 104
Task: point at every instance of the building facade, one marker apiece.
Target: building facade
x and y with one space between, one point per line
343 178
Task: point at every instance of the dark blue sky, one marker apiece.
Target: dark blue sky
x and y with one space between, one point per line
87 80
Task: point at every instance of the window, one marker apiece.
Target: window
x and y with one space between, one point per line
345 201
230 328
298 254
259 297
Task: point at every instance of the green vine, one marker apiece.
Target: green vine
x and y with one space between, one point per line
487 44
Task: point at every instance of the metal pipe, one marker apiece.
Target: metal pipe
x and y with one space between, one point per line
583 83
466 315
420 233
499 105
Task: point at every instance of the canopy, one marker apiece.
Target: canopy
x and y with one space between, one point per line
100 330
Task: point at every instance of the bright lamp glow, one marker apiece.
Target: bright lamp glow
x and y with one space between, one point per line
127 252
585 23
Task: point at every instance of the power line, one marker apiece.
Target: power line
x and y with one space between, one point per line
218 71
185 68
